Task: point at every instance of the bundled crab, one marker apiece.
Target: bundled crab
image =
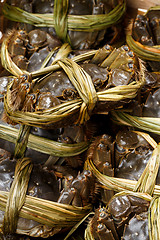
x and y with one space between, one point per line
102 81
143 38
83 24
72 199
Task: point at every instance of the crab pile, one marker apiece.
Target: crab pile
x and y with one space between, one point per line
79 121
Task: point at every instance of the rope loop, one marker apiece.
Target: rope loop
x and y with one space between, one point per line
83 84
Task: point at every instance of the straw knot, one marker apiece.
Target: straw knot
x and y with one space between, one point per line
83 84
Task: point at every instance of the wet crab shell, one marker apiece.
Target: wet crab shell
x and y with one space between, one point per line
137 228
130 148
70 134
152 105
123 207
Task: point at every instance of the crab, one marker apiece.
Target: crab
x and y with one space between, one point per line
44 184
109 222
25 47
145 30
108 68
78 39
128 147
101 153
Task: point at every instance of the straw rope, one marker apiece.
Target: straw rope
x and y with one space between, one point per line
16 197
72 22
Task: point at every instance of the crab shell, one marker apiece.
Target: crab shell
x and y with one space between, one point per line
123 207
137 228
128 147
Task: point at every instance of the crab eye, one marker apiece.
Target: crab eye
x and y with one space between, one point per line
102 214
101 226
101 146
18 40
26 85
120 149
33 96
24 77
21 32
130 65
131 54
107 47
126 48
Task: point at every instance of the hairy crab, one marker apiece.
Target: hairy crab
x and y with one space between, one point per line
132 153
45 185
145 34
29 50
79 39
108 223
108 68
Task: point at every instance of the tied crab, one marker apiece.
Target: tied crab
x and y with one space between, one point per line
81 38
128 147
145 37
44 184
108 68
109 223
30 49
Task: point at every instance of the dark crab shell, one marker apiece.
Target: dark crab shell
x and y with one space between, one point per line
113 222
137 228
152 105
132 153
146 31
123 207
